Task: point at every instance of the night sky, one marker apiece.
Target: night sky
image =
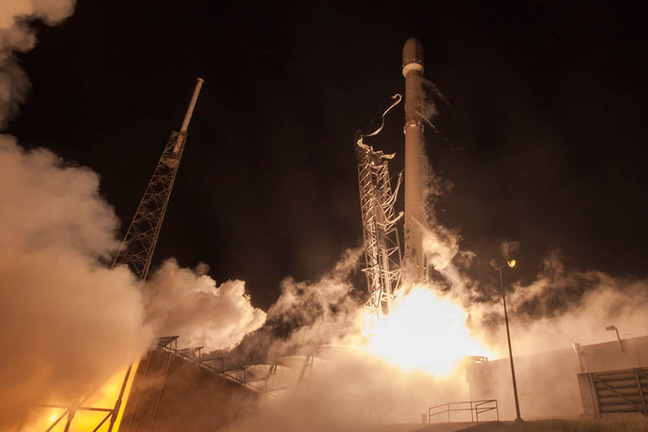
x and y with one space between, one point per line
543 139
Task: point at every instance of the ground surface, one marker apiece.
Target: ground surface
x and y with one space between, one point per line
612 425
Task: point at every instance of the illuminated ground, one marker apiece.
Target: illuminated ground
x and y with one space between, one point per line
613 425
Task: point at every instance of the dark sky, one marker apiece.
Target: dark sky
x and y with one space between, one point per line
544 137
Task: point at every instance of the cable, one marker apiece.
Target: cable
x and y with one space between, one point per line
520 18
396 98
557 35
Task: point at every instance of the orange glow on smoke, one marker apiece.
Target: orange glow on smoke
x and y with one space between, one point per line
425 331
83 420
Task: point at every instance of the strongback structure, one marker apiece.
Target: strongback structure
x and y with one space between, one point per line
381 241
139 243
415 261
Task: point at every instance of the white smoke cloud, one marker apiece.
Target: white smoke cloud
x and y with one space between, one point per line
70 322
348 387
17 36
563 306
352 390
188 303
324 311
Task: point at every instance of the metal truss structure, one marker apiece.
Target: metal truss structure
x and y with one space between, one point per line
615 393
160 363
137 248
139 243
381 241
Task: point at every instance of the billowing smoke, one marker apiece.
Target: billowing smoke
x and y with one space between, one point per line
189 303
69 321
16 35
348 386
321 312
350 389
563 306
72 322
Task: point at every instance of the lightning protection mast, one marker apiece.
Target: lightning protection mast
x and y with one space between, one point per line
139 243
137 248
381 242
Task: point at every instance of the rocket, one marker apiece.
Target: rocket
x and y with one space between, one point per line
415 265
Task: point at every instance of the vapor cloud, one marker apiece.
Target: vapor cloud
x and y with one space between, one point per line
563 306
69 321
352 390
348 387
189 303
16 35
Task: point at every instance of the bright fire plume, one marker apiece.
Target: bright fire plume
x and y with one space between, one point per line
425 331
84 420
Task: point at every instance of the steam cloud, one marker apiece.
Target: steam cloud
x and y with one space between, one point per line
70 322
323 312
188 303
17 36
563 306
348 387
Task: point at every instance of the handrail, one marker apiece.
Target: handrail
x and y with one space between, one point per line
476 407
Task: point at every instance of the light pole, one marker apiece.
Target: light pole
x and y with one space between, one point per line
613 328
499 266
634 348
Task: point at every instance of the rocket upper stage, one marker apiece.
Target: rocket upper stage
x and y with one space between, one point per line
412 56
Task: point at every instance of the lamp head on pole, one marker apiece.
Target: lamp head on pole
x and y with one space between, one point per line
498 265
611 327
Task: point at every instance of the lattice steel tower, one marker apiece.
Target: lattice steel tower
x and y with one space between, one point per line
139 243
381 241
137 248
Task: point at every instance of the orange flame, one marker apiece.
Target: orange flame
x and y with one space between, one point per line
83 420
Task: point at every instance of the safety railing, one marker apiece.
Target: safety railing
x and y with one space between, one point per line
476 407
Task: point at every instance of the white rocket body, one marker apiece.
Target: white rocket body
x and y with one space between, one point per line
415 166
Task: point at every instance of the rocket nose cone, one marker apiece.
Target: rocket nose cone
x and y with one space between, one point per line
412 55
